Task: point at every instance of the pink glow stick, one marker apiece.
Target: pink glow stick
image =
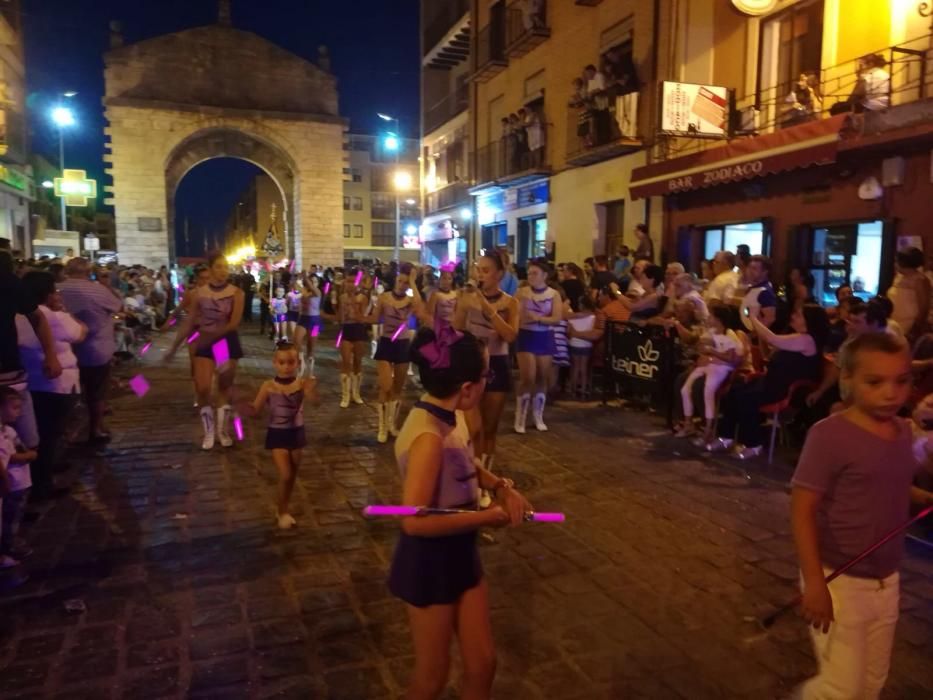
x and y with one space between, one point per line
327 288
221 352
339 338
139 385
172 321
315 331
359 278
194 336
398 332
145 348
405 511
389 511
291 268
238 427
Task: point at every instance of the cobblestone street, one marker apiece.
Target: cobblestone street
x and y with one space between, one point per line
190 591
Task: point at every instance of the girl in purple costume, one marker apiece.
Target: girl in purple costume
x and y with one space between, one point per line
541 308
443 303
216 312
284 395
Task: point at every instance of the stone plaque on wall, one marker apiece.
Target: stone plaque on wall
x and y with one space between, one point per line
149 223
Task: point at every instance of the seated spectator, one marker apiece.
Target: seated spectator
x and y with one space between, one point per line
683 289
723 284
572 283
804 101
910 293
760 301
797 357
602 277
635 288
872 91
651 302
623 264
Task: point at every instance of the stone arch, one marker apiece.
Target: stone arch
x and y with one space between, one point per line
224 142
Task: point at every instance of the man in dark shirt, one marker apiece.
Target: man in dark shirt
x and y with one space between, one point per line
14 300
760 300
602 277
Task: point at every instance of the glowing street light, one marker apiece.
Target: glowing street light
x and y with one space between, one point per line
410 201
63 117
393 143
466 214
48 184
411 229
402 180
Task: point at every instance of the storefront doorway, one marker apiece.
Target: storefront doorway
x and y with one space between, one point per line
850 254
532 239
495 235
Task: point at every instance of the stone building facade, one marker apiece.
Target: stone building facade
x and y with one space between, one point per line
177 100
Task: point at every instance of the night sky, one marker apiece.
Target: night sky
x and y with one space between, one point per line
374 52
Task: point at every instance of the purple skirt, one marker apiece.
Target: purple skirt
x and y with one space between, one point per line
233 345
286 438
535 342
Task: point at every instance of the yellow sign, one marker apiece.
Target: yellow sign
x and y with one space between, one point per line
75 187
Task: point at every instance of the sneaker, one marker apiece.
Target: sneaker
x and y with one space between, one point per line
749 452
8 562
720 445
287 522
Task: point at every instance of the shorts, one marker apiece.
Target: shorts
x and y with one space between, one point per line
434 570
580 352
310 322
286 438
397 352
280 318
355 332
94 382
535 342
233 346
500 374
292 316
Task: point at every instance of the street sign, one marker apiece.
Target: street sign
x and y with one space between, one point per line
91 242
75 187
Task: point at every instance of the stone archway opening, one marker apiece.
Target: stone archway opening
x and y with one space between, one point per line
211 144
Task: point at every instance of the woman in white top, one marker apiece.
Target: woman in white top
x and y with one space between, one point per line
52 399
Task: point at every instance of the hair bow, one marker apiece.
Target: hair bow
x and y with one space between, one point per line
437 352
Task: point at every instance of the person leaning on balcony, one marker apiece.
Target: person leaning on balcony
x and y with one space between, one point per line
534 133
598 100
872 91
804 100
623 85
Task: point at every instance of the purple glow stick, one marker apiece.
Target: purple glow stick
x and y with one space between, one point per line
339 338
139 385
194 336
327 288
405 511
145 348
359 278
545 517
221 352
238 427
398 332
389 511
291 268
172 321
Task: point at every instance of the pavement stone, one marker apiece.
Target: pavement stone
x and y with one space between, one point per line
191 592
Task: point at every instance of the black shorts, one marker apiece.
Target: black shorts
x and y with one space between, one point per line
292 316
397 352
233 345
500 374
434 570
355 332
286 438
94 382
310 322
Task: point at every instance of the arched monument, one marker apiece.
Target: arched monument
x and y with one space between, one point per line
177 100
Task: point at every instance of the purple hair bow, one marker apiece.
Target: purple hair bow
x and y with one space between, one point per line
437 352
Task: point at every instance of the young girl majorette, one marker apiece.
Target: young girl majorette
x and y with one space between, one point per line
278 305
395 308
197 280
294 306
541 308
284 396
492 316
350 313
443 302
216 313
436 569
309 323
584 321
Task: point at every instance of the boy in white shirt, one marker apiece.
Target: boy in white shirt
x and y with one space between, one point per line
15 478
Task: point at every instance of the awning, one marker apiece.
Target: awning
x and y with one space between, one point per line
800 146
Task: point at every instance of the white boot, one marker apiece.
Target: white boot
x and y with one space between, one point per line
392 417
373 344
383 434
485 500
344 390
311 366
223 416
302 366
355 385
538 411
521 412
207 420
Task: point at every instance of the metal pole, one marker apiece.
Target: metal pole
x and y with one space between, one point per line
398 218
61 166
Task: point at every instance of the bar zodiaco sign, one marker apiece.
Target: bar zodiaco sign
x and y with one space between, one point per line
715 176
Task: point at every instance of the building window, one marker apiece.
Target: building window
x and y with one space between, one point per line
346 230
383 205
383 233
847 254
356 174
357 230
346 204
790 44
357 204
730 237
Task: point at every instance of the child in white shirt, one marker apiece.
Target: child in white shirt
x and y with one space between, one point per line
720 349
15 478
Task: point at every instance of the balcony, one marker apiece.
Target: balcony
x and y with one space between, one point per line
490 52
498 164
445 110
600 137
450 14
454 194
447 38
526 27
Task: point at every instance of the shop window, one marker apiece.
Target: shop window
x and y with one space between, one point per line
847 254
539 243
730 237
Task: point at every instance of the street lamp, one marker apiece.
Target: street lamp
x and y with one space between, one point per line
393 143
63 117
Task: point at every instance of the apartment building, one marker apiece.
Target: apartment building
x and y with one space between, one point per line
372 182
445 134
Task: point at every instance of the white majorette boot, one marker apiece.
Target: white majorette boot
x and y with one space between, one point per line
538 411
302 365
223 417
485 500
521 412
311 366
355 388
383 434
344 390
207 420
392 417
